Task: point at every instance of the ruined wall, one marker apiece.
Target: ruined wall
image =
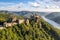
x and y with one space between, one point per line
20 21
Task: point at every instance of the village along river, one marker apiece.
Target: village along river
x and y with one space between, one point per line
56 25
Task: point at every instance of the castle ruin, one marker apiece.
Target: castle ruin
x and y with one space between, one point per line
14 21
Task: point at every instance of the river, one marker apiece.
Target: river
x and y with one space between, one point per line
56 25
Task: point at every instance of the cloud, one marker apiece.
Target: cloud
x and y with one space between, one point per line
49 3
34 4
11 7
5 3
37 5
56 0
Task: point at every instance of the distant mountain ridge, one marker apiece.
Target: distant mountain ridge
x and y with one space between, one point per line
57 19
26 13
55 16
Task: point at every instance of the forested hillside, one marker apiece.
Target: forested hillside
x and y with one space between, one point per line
33 31
4 16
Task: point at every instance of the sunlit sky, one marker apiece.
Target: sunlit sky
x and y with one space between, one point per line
30 5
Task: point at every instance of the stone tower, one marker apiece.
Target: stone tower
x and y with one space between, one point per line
35 17
20 21
27 21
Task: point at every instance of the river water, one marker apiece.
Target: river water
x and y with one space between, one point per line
56 25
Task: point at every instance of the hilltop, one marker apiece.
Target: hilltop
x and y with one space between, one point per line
37 29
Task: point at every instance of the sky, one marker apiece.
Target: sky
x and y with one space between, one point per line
30 5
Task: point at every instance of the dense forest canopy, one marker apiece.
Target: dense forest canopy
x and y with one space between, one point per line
4 16
34 31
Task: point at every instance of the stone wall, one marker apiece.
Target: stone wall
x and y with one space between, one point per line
20 21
